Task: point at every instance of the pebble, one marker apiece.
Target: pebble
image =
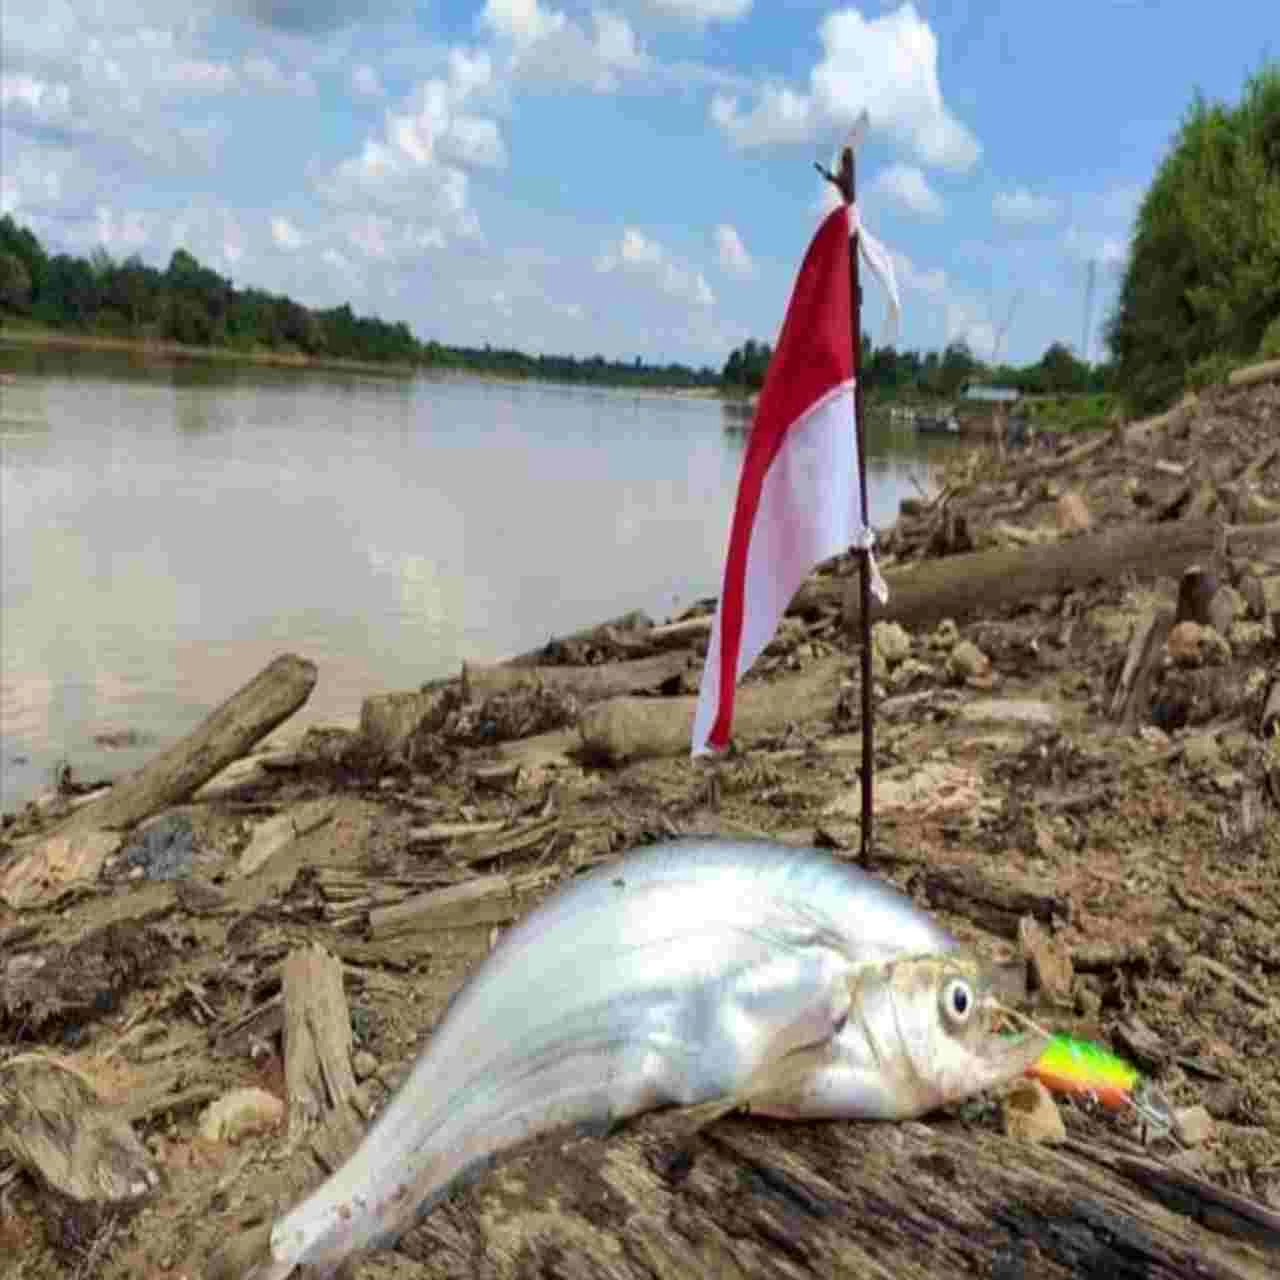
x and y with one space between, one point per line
891 641
240 1113
364 1064
1193 1126
1030 1113
1186 641
1072 514
968 662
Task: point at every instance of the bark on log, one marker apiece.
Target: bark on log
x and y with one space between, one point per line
754 1199
635 620
588 684
985 581
317 1037
77 849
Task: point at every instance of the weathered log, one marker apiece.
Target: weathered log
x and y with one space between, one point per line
634 620
587 684
997 905
625 729
754 1199
1129 702
317 1037
77 849
1267 371
961 586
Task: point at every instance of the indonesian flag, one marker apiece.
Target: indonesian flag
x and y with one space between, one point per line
798 500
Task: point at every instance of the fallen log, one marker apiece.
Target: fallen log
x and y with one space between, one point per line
985 581
77 848
634 620
588 684
1267 371
755 1200
317 1038
626 729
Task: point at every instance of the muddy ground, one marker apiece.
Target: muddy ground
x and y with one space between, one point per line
1011 782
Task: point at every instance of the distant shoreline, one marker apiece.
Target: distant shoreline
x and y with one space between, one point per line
176 352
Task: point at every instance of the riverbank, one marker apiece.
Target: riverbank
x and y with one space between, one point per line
157 351
1078 769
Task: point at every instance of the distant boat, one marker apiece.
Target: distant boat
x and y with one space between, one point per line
942 422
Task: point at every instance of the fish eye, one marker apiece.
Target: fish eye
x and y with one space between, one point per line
957 1001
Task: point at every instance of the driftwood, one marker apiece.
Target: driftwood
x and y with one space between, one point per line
77 849
1129 702
982 582
998 906
1268 371
59 1128
754 1199
587 684
624 729
317 1038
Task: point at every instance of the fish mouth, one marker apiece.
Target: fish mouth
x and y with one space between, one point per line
1011 1043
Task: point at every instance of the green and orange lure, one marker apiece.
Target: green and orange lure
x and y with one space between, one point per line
1086 1070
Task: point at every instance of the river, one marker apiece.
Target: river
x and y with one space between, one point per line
166 529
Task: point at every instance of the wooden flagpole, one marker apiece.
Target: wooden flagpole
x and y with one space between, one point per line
846 183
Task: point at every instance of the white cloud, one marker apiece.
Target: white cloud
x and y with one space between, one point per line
906 186
265 74
732 253
365 82
46 101
285 235
193 75
121 233
637 255
702 11
1091 246
932 283
545 45
1021 207
415 168
390 239
887 66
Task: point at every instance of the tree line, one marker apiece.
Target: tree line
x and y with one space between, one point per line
893 373
1202 288
192 304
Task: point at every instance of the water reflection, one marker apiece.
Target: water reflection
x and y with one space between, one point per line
164 535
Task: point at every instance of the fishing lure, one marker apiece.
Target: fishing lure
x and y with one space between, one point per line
1084 1069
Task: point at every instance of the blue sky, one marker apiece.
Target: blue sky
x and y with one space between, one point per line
630 178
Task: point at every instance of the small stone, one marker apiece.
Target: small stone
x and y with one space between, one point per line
891 641
968 662
1072 514
946 635
1030 1113
239 1114
1201 753
1186 641
364 1064
1222 1099
1193 1126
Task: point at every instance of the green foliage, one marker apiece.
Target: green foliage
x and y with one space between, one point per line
1269 347
1203 277
15 282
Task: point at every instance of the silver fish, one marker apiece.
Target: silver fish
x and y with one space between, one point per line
717 973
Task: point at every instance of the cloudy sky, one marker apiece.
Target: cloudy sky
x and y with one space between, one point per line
630 178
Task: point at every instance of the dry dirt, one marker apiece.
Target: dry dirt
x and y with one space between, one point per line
1150 855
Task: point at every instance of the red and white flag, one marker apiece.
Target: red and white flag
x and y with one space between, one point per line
798 500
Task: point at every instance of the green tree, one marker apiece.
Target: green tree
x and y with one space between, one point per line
1203 278
15 282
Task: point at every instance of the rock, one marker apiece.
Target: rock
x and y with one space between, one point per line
1201 753
363 1064
1072 514
891 641
1193 1126
1024 711
1185 643
240 1113
968 662
1050 963
389 721
907 672
1246 635
1226 606
164 850
1030 1113
945 635
1254 596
